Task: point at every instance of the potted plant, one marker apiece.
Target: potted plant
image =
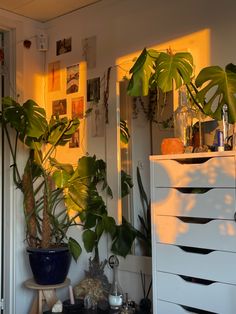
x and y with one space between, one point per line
56 196
209 91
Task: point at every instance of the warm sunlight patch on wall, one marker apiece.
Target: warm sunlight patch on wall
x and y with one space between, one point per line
66 95
198 44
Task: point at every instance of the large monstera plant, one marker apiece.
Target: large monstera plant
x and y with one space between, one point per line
56 195
212 88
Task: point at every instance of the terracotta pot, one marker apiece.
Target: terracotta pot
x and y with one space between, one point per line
172 145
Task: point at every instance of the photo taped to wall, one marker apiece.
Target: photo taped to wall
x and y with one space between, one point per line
77 107
63 46
72 79
59 107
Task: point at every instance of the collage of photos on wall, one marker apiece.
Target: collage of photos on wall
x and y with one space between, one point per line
72 103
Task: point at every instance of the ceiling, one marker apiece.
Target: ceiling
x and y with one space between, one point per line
44 10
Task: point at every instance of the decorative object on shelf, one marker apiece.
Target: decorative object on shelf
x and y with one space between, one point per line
57 307
115 297
127 308
172 146
183 119
145 303
94 288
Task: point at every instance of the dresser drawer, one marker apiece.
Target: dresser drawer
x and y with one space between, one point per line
196 263
204 172
214 235
215 297
205 203
164 307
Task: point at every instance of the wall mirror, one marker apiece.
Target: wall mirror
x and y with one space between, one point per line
148 124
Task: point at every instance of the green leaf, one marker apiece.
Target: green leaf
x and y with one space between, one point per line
171 68
99 228
123 240
29 119
141 73
75 248
109 225
126 183
90 220
61 130
60 178
219 88
89 239
36 119
62 166
159 70
124 132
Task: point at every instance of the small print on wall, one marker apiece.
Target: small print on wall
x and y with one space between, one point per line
77 107
93 89
74 142
72 79
59 107
54 76
63 46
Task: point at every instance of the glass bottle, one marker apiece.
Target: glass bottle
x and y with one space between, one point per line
115 297
183 118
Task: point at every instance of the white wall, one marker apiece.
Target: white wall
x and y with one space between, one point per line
126 26
121 27
29 71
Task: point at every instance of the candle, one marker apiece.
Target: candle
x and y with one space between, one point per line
72 300
115 301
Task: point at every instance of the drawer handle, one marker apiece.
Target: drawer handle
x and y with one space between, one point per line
194 310
195 250
201 281
194 220
193 190
192 160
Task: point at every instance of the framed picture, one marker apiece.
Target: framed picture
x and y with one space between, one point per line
77 107
93 89
59 107
72 79
54 79
63 46
75 140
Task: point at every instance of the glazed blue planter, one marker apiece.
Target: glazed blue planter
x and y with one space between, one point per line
49 266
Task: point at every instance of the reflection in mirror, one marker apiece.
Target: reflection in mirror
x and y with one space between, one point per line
145 135
147 124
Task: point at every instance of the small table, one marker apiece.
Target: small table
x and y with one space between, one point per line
45 293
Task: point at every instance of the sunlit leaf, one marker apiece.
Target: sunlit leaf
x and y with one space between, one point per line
218 88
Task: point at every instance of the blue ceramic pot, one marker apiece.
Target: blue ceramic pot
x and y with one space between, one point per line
49 266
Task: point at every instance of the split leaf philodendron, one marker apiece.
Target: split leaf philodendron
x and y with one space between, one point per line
209 91
52 189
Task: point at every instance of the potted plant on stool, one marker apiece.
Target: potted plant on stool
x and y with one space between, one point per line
45 190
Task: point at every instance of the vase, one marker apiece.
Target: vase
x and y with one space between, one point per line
49 266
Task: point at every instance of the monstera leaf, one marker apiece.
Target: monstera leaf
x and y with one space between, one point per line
219 89
141 73
159 69
173 67
29 120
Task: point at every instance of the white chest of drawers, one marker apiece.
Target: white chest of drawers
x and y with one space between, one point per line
193 233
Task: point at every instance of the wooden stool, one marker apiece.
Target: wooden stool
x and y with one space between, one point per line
45 293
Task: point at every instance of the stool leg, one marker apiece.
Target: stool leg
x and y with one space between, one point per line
50 297
40 302
34 307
